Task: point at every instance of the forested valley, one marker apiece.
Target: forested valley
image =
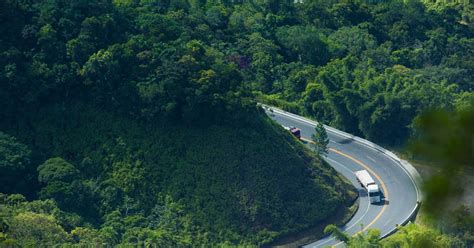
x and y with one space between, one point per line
135 122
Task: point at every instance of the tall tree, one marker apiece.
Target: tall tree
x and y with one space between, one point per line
14 162
320 139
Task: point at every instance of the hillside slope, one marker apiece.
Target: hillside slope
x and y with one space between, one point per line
243 184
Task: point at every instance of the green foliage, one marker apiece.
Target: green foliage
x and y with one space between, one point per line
338 234
415 235
27 224
371 238
167 182
14 161
378 64
351 40
460 223
56 169
142 117
446 139
62 182
412 235
304 44
387 63
32 229
320 139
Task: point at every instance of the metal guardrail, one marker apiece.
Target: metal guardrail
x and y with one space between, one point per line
410 218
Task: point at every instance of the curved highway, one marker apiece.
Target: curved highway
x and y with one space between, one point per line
397 179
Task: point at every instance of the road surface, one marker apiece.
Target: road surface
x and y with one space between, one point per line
348 154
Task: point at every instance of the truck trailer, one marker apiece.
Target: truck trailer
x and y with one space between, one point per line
366 181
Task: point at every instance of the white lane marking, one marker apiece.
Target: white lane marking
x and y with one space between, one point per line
343 166
372 159
357 221
368 205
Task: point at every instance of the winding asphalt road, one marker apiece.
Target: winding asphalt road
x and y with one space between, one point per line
348 154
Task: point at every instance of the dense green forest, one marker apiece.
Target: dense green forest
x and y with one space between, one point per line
123 125
368 69
128 121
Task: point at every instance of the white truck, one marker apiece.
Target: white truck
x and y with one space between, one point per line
366 181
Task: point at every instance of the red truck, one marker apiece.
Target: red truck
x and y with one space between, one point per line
295 131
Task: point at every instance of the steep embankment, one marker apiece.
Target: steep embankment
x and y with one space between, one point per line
244 183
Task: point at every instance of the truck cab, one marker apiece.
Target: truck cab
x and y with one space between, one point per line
295 131
374 193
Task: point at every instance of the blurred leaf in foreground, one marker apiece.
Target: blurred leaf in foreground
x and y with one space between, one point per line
446 139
